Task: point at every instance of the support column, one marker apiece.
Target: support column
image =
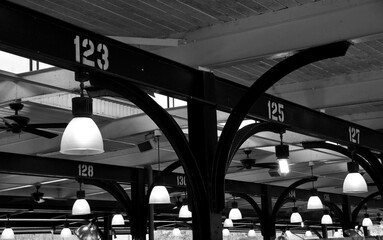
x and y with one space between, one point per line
346 209
138 226
268 230
202 120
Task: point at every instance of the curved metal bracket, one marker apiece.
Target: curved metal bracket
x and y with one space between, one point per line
360 206
255 206
115 190
263 83
283 197
361 160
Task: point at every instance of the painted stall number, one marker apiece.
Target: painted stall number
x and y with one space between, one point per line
354 135
181 181
85 170
85 53
276 111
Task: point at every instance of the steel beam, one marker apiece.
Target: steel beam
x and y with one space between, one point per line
55 42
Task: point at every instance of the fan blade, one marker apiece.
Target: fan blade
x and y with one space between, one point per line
48 125
41 133
266 165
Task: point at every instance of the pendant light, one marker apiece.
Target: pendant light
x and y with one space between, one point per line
354 181
118 220
251 232
80 206
66 232
228 223
314 201
326 218
295 216
282 154
235 213
366 220
159 193
225 232
184 210
81 136
308 234
176 232
7 233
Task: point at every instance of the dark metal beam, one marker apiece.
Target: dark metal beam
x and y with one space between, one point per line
20 164
52 41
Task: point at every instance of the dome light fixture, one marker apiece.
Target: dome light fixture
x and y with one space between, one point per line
251 232
80 206
295 216
314 201
326 218
354 181
225 232
159 193
184 211
81 136
176 232
235 213
228 223
282 154
118 220
308 234
7 233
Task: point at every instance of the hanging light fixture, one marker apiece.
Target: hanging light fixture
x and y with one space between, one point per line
295 216
80 206
354 181
235 213
366 220
314 201
225 232
176 232
82 136
308 233
251 232
159 193
66 232
118 220
184 211
7 233
326 218
282 154
228 223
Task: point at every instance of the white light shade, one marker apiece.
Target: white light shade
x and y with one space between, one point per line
7 234
314 201
184 212
251 233
354 183
82 137
66 233
177 232
308 233
225 232
326 219
228 223
366 221
80 207
289 233
283 166
295 218
234 213
159 195
118 220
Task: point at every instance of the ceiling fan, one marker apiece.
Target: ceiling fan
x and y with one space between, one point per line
37 196
249 163
17 124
